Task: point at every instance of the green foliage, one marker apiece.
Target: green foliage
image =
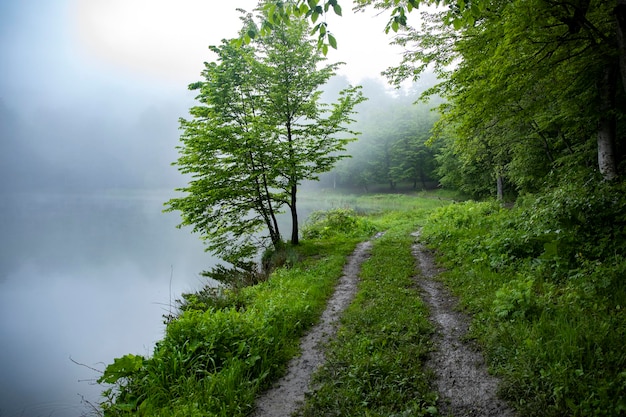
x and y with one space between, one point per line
545 283
326 224
227 344
258 130
374 367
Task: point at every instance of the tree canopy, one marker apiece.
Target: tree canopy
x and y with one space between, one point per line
531 87
259 129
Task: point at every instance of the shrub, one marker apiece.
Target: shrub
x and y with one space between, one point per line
345 222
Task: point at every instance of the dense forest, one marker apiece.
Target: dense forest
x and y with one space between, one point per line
526 114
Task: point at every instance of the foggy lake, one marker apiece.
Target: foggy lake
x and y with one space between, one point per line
87 277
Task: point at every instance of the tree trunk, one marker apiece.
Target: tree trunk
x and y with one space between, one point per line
500 187
620 17
294 216
607 125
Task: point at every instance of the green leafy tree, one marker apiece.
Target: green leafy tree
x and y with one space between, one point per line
258 131
534 83
310 134
530 78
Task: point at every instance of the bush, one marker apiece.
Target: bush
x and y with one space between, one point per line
330 223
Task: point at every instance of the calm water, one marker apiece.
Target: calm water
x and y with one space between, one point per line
85 277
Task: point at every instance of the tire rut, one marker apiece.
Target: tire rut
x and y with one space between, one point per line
287 395
465 387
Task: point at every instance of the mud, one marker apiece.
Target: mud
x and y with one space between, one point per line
287 395
465 387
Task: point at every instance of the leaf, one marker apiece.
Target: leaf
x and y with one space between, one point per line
325 49
332 41
123 367
337 9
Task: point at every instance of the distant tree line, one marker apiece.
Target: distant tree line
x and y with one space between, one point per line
392 152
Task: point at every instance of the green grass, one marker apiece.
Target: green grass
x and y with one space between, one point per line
548 307
217 356
380 203
213 362
375 365
544 282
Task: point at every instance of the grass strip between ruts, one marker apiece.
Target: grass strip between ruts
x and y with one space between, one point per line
375 365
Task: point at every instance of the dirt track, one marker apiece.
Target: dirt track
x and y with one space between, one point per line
464 385
287 395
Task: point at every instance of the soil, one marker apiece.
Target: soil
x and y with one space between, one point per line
287 395
464 385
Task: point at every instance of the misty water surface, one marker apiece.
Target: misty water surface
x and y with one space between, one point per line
85 276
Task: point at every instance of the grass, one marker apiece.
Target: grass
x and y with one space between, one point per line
375 365
217 356
544 282
547 307
381 203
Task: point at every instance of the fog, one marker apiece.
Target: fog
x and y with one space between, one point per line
90 96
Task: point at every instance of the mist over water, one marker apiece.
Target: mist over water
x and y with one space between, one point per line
86 254
87 277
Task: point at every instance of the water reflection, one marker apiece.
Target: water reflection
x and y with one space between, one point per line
86 277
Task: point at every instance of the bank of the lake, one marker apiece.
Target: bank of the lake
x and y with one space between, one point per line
219 354
551 325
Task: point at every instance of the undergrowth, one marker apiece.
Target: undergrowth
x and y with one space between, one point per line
545 283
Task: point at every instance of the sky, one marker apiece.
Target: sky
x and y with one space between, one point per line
91 91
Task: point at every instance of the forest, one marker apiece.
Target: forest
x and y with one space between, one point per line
507 153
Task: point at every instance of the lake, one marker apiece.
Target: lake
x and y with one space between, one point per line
84 277
87 278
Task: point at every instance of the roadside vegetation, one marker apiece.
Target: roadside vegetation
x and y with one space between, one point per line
545 284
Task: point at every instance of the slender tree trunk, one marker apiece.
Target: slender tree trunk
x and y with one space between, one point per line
293 189
276 239
607 125
295 240
500 187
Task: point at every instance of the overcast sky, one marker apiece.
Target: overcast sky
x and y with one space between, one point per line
91 90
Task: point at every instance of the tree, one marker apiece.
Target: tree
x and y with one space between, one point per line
531 78
543 72
258 131
308 131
